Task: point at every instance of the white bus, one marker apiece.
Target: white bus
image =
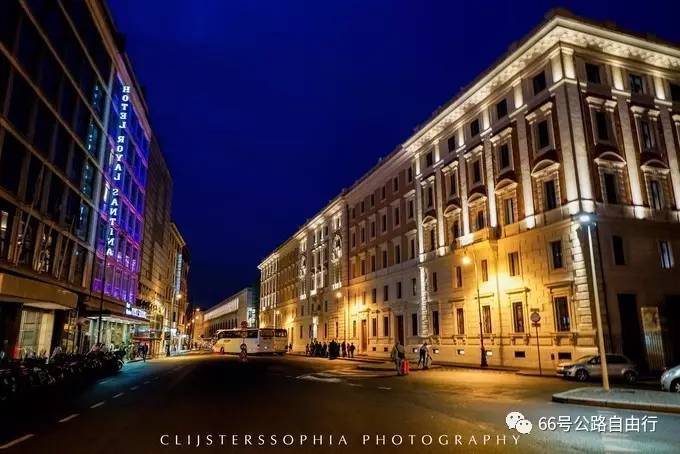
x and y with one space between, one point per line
258 341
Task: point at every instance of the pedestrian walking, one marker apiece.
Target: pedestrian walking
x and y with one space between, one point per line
145 350
424 358
344 349
398 355
307 350
351 350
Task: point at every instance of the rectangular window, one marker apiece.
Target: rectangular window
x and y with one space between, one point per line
666 254
562 318
556 252
593 73
636 84
384 223
610 192
429 159
430 197
397 217
542 135
550 194
363 266
518 317
617 248
382 193
477 172
414 286
414 324
374 327
485 270
451 142
354 328
374 295
386 326
486 318
411 209
460 320
433 241
509 209
656 195
453 184
395 184
675 92
480 220
474 128
501 109
399 290
538 83
412 248
386 293
459 277
647 135
372 229
513 264
504 157
435 323
602 126
434 282
397 254
384 258
372 263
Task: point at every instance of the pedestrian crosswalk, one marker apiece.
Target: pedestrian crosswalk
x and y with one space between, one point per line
342 375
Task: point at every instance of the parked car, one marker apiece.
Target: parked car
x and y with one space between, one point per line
670 380
587 367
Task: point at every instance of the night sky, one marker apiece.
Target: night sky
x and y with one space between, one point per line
265 110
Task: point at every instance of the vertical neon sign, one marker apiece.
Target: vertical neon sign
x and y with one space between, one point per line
117 172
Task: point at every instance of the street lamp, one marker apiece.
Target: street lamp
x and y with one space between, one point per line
588 220
466 261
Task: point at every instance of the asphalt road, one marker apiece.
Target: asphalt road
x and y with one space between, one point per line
175 404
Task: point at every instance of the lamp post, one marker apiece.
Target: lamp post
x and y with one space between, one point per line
466 261
588 221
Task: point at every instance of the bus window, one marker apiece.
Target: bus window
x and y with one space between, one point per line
252 334
281 333
266 333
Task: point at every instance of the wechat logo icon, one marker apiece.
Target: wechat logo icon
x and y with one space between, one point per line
515 420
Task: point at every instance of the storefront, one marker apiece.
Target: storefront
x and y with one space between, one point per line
116 330
35 317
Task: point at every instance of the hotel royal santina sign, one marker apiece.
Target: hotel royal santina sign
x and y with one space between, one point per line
116 176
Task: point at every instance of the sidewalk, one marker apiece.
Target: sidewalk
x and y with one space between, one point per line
358 359
631 399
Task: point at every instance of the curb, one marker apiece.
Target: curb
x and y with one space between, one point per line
613 404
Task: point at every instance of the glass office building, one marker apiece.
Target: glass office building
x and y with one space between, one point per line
73 147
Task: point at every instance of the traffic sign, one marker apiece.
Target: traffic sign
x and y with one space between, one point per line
535 317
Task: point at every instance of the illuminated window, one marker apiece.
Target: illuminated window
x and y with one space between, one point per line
562 318
513 264
518 317
666 254
556 252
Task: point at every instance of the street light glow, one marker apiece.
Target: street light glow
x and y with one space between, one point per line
338 295
584 218
466 260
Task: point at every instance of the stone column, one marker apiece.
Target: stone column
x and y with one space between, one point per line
490 182
630 154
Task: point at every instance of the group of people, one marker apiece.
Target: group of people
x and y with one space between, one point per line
330 350
398 355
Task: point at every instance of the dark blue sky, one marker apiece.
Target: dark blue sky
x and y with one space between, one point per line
266 109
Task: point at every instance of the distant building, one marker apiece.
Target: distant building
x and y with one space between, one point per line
231 312
474 225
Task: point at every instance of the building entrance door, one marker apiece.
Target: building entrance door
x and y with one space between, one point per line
630 328
364 336
400 329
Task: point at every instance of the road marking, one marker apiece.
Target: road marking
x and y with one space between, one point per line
68 418
98 404
384 387
17 441
314 378
117 395
354 384
134 388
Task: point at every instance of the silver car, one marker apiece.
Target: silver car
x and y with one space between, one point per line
670 380
588 367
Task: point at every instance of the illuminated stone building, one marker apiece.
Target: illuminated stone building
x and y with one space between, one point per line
474 223
230 313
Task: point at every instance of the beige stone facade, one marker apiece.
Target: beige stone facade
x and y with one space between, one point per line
474 223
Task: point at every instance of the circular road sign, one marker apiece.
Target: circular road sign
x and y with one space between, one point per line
535 317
